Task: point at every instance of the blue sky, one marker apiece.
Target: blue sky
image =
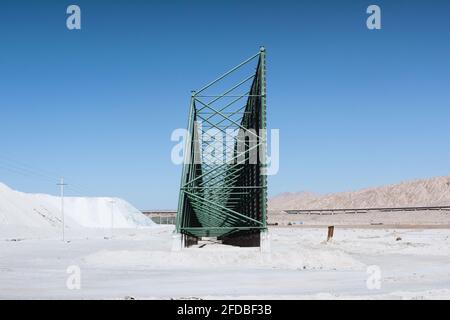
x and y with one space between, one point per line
355 107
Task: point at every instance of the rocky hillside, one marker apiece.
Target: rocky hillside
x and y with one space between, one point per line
427 192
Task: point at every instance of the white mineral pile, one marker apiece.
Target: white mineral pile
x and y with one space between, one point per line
21 212
427 192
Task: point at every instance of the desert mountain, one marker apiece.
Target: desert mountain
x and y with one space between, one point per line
426 192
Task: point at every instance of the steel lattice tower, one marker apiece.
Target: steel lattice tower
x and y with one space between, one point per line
226 199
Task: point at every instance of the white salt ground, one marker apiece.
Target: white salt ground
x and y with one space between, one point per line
139 263
135 259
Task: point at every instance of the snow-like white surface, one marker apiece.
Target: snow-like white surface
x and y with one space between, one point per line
139 263
219 256
25 215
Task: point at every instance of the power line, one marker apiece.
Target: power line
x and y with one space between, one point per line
24 173
20 165
32 172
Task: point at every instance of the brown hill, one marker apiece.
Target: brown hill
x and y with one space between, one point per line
426 192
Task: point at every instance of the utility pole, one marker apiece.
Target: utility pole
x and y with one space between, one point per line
61 184
112 216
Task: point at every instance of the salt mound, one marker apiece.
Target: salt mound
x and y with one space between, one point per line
24 211
427 192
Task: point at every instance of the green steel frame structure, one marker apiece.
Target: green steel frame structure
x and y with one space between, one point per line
226 199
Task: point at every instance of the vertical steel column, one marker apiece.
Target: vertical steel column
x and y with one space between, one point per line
263 155
186 162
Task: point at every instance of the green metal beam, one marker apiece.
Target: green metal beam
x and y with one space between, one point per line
225 194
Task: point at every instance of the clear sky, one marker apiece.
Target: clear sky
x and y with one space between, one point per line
355 107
